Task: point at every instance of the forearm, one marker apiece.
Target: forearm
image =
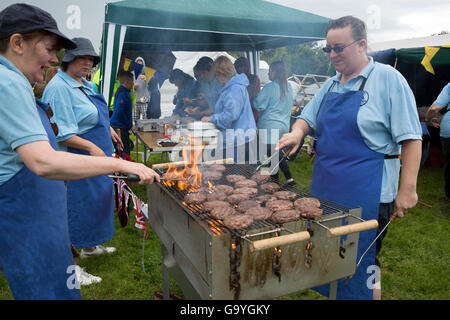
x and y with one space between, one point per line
78 143
411 156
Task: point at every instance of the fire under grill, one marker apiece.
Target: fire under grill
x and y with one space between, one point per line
266 260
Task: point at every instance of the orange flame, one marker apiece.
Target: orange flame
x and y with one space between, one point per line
192 156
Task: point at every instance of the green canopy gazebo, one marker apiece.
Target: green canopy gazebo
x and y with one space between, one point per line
201 25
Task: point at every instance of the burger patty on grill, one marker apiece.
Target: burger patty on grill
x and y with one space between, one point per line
217 167
216 195
224 188
233 178
211 175
238 221
265 198
308 207
247 204
270 187
260 177
283 216
247 183
278 205
248 191
259 213
196 197
222 212
209 205
285 195
236 198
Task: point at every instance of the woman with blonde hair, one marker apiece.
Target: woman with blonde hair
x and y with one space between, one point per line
232 111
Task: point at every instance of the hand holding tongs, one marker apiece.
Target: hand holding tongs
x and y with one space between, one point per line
285 152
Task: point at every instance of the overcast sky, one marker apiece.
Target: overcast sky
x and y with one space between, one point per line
385 19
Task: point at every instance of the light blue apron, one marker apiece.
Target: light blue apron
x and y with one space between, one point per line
34 238
90 202
348 172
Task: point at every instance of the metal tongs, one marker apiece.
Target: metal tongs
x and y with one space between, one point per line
135 178
392 218
284 151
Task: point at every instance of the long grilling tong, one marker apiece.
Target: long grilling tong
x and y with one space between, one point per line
135 178
285 151
392 218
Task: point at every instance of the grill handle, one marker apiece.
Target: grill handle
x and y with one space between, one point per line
160 166
279 241
352 228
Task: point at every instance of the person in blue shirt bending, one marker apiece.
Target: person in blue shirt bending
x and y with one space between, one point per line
233 113
274 105
122 117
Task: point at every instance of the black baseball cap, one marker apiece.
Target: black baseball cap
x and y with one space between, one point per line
24 18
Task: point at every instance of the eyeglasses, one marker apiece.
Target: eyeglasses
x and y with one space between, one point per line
338 48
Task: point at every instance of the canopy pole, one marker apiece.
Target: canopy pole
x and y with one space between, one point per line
113 39
253 59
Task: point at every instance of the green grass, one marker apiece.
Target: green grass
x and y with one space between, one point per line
415 254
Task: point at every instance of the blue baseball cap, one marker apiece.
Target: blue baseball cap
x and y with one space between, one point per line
24 18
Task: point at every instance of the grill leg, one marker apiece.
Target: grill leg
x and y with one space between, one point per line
165 274
333 290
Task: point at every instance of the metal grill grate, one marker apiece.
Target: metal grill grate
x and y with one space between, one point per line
215 225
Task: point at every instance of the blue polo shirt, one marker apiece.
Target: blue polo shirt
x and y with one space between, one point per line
73 112
387 118
443 100
274 112
20 122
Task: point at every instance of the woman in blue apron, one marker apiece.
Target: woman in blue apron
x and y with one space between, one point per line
35 255
360 118
84 129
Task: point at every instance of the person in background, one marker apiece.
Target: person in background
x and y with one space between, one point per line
363 118
243 66
186 85
154 105
122 118
233 111
274 105
439 111
141 90
210 86
35 255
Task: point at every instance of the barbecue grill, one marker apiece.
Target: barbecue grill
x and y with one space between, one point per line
263 261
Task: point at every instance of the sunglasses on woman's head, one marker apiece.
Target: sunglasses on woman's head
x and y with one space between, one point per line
337 48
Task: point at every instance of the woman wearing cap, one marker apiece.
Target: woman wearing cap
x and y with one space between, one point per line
35 254
84 128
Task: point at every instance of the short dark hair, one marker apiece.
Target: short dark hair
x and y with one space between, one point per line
358 26
124 76
204 63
